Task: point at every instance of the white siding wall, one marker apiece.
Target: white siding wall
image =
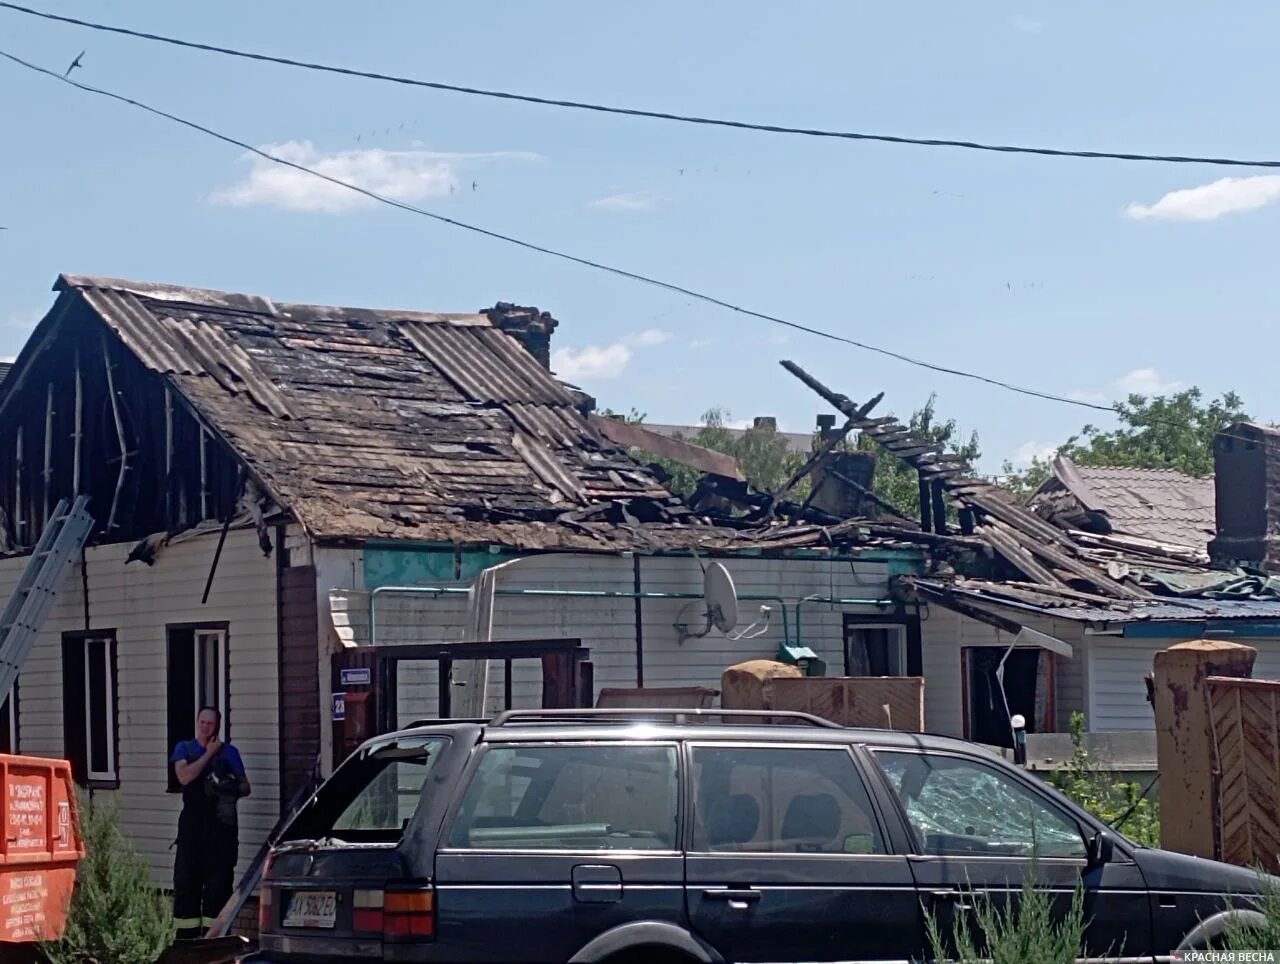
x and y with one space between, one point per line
138 602
1120 665
607 626
945 633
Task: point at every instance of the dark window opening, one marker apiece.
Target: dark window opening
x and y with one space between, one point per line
198 668
882 644
89 708
1027 684
9 722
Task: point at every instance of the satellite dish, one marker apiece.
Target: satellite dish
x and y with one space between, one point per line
720 596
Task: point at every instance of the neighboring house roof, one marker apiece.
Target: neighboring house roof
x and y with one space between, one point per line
4 369
1158 504
797 442
392 424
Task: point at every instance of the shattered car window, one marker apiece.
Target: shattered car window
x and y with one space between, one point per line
373 795
958 806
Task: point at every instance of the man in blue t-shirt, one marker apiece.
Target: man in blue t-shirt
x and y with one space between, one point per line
212 777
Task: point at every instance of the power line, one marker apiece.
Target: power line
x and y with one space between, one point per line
551 252
637 112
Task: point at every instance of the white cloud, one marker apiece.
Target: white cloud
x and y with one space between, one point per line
403 175
595 362
1028 452
648 338
8 359
1025 24
1144 381
698 343
1228 195
628 201
591 363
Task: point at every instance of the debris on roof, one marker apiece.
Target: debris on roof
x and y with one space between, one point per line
1162 506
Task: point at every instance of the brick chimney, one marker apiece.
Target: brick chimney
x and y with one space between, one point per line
1246 461
529 326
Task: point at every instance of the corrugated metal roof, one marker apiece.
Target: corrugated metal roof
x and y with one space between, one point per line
1160 504
4 369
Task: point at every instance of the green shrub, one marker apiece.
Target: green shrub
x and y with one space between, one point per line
1022 932
1240 937
116 915
1105 797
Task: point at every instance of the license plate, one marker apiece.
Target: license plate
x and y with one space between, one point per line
312 908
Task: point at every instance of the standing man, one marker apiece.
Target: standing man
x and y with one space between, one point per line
213 780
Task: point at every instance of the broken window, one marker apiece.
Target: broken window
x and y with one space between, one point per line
89 707
1027 688
962 807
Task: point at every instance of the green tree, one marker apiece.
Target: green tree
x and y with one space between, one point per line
1155 432
116 915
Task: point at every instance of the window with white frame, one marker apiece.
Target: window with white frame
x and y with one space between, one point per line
210 664
197 673
89 707
875 648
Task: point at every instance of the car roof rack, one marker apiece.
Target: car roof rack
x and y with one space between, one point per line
647 715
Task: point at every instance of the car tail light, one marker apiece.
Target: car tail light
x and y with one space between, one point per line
265 903
408 912
401 911
366 911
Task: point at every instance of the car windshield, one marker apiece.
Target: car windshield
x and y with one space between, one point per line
374 794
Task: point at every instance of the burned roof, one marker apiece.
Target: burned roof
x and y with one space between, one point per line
1161 505
389 424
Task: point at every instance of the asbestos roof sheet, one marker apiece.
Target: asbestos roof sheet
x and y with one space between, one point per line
389 424
1160 504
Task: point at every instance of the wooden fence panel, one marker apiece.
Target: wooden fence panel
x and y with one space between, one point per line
1244 731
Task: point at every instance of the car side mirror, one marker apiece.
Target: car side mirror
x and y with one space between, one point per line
1099 850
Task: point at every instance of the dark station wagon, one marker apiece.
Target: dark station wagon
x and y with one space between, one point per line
681 836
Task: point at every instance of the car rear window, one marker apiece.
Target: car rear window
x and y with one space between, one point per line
570 798
373 795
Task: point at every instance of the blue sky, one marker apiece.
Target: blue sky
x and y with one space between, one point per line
1084 278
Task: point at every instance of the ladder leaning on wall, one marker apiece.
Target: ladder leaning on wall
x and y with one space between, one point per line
64 536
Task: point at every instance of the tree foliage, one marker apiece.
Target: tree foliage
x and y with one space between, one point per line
116 915
1155 432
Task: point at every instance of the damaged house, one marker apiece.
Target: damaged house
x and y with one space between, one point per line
277 488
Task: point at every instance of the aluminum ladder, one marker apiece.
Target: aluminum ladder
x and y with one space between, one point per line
64 536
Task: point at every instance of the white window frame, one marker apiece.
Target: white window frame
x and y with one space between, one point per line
198 638
111 774
900 629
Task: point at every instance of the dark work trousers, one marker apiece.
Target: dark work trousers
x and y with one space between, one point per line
203 870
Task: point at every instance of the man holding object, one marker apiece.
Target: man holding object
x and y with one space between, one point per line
213 779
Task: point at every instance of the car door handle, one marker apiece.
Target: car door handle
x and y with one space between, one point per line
736 898
960 897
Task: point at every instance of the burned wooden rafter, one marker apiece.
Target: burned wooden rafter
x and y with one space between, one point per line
77 441
124 445
871 497
48 451
1026 541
